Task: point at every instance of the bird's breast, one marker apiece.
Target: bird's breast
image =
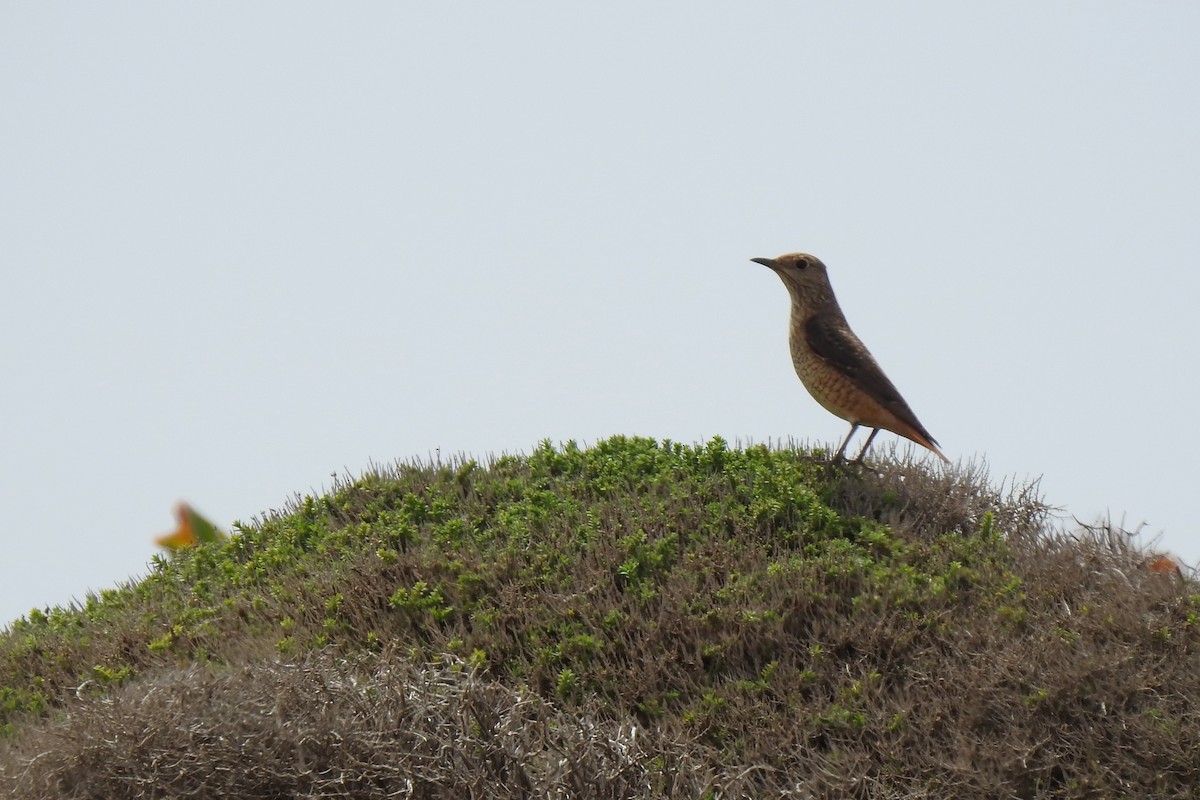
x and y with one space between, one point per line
836 393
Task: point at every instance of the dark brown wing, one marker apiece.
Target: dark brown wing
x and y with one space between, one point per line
830 338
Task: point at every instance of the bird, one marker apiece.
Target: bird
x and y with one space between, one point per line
834 365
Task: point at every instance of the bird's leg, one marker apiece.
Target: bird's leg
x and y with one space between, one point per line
862 453
841 452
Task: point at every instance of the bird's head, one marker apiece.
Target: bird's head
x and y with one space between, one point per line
803 275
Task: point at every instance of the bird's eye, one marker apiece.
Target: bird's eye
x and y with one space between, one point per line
801 263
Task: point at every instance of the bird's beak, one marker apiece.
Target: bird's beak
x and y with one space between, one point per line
766 262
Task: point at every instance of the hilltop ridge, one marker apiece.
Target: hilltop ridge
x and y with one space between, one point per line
638 618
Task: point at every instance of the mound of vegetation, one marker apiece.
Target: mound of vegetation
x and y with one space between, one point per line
634 619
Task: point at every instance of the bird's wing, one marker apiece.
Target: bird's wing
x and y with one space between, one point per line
831 338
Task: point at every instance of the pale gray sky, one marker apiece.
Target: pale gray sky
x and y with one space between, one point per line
245 246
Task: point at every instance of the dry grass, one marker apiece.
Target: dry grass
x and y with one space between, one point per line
378 728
